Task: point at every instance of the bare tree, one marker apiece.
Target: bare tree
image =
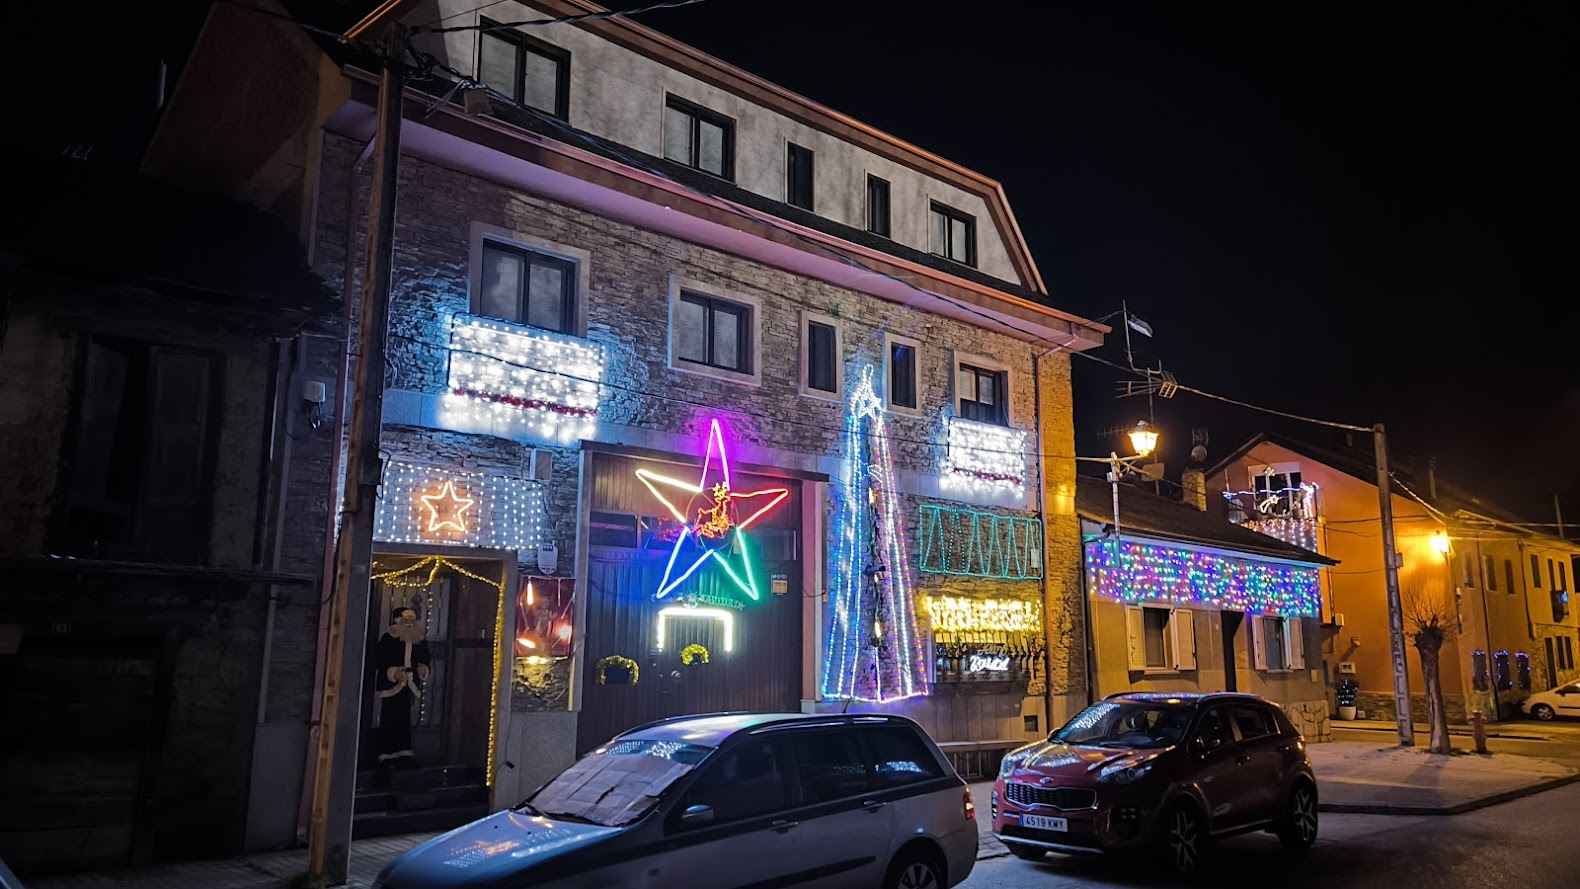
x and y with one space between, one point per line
1430 621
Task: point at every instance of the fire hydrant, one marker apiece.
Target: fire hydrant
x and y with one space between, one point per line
1478 730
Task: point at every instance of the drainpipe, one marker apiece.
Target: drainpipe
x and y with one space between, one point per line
279 499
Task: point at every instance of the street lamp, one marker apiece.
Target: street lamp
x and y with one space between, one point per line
1144 439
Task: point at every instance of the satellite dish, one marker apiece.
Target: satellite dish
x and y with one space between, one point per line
1199 454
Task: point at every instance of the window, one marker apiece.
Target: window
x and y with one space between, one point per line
1522 670
829 766
1251 723
954 235
1552 576
1489 565
1160 638
821 358
902 375
699 138
1214 730
878 206
1478 671
1502 665
138 481
748 781
530 71
983 395
1277 643
1560 602
1508 575
900 757
1278 493
798 176
714 332
1467 567
1569 653
1536 571
1563 577
527 287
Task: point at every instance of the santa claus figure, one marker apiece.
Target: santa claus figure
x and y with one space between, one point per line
402 660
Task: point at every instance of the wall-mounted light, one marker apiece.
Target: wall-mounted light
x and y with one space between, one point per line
1441 544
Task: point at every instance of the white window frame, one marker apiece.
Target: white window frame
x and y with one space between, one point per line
803 360
983 362
580 259
1256 471
754 308
1179 639
889 341
1294 643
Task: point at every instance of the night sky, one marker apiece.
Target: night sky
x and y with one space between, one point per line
1364 213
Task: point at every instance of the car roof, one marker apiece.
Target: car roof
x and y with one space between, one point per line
713 729
1184 697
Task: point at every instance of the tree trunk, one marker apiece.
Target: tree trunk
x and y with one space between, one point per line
1436 716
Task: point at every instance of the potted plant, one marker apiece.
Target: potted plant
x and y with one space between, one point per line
1345 694
617 670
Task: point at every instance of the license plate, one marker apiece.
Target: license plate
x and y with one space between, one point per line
1043 822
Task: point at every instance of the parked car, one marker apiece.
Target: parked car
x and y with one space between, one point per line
1561 701
1160 773
8 880
725 800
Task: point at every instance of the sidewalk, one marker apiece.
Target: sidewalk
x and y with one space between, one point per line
262 870
1514 730
1391 780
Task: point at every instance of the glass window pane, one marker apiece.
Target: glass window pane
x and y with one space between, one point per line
728 338
542 89
546 296
1156 620
501 284
987 388
1251 722
902 375
677 135
829 766
1274 642
496 64
940 234
957 241
747 781
820 357
900 757
692 342
711 155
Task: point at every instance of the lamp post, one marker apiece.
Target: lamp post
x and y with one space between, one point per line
1143 440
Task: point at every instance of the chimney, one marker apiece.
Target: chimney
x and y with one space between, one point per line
1194 481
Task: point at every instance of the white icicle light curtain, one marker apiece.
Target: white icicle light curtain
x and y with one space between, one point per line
521 381
431 504
982 456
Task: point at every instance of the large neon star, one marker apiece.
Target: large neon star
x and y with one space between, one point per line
714 519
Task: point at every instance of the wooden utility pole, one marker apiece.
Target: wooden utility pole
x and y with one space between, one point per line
334 782
1401 667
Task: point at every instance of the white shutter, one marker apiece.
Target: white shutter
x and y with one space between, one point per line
1135 637
1253 634
1295 638
1184 624
965 386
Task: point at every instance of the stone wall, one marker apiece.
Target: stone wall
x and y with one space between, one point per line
1377 705
1311 718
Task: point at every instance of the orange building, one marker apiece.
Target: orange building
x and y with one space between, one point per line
1502 588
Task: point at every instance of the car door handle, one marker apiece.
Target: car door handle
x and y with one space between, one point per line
1243 758
872 805
781 826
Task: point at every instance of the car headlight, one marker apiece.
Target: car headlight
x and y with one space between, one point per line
1123 774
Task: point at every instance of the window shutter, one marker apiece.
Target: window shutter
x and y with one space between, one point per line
1136 637
965 384
1295 639
1184 624
1254 636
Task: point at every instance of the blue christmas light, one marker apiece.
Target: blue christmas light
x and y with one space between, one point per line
1150 573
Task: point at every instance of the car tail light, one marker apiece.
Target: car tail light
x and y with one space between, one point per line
971 808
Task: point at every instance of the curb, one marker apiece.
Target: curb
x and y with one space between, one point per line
1456 733
1459 808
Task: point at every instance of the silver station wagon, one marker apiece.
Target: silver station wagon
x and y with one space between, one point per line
725 801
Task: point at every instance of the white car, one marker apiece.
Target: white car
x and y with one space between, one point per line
723 801
1561 701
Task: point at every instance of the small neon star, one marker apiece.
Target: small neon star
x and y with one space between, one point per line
450 505
713 520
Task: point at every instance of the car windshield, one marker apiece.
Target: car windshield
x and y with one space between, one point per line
1129 724
618 783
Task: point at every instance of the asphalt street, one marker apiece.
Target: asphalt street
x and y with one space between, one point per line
1529 843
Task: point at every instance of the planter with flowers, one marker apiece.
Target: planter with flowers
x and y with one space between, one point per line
1346 692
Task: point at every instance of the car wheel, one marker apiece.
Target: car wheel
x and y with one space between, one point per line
1543 712
1184 839
1026 853
914 870
1299 829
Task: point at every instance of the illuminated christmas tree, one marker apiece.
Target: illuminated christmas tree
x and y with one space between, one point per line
874 651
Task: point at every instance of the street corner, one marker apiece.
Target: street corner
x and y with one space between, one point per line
1361 777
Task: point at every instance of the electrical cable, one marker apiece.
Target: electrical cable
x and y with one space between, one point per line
280 16
563 20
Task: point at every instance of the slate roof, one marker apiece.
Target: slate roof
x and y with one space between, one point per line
1143 512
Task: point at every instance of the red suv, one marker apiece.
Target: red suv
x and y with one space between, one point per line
1158 772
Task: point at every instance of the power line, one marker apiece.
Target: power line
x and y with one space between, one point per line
563 20
459 14
269 13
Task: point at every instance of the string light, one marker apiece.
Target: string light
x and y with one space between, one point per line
1296 532
722 615
980 544
950 614
495 511
874 651
984 457
718 516
521 382
1189 577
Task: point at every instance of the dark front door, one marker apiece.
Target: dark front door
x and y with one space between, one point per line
1552 665
1231 673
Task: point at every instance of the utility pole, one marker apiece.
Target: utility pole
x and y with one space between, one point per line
334 782
1401 667
1558 515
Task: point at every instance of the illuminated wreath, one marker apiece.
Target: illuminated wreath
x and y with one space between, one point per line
619 663
693 655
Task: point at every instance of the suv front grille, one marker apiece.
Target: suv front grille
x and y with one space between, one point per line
1066 798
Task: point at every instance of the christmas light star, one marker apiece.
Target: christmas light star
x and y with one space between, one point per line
712 520
454 508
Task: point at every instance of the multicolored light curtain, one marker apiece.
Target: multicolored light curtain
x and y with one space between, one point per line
1147 573
874 651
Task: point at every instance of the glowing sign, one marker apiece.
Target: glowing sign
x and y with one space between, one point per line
449 504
